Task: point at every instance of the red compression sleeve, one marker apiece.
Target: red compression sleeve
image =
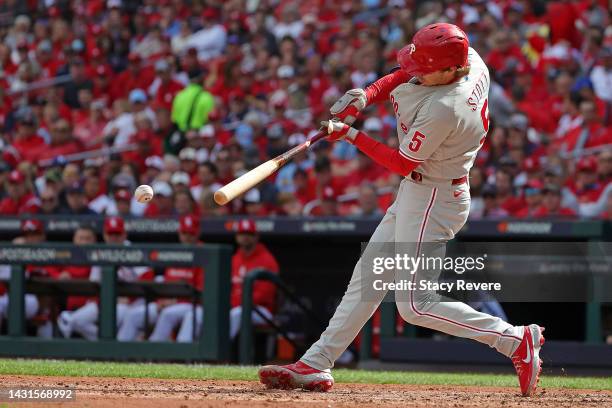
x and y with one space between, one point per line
382 154
379 90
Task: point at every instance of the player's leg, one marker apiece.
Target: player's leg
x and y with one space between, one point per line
121 310
313 369
432 215
3 308
31 305
186 333
84 321
256 319
133 322
169 319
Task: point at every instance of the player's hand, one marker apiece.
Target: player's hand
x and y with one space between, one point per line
338 131
347 108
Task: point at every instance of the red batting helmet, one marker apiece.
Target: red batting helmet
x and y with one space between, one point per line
435 47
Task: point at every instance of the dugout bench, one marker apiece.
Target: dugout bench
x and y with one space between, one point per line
215 299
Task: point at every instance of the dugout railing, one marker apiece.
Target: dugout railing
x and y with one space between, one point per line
212 345
246 351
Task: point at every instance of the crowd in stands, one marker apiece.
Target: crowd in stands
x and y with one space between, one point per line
187 95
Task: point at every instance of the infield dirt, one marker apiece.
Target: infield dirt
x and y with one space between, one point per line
92 392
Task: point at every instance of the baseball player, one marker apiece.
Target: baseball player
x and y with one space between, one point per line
439 96
251 255
33 233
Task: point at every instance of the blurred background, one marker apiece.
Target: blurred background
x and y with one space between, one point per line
97 97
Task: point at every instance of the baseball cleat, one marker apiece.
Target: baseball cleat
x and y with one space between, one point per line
296 375
527 361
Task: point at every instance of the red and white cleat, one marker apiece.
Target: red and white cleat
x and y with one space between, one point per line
526 359
296 375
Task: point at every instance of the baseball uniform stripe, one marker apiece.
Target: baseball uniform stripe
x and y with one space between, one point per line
407 156
412 305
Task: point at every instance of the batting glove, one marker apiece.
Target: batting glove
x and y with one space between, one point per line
338 131
347 108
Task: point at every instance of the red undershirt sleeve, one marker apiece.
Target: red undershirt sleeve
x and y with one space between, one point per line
384 155
379 90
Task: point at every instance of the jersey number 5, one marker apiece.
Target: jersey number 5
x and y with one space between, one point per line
484 115
415 143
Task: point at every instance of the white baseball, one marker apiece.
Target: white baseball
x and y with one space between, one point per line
143 193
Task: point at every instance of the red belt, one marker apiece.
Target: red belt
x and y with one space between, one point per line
418 177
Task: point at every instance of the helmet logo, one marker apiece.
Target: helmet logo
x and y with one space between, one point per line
411 49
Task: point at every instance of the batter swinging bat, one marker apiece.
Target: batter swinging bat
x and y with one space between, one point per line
249 180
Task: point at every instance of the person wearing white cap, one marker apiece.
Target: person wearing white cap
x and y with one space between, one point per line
153 166
180 181
188 156
206 144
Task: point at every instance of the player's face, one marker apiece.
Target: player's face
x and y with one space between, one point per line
34 237
114 238
84 237
188 238
438 77
246 240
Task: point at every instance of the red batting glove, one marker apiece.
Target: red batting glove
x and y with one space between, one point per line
339 131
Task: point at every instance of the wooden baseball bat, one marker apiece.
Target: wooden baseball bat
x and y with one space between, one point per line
250 179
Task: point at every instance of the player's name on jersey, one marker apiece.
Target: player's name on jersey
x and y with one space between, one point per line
432 286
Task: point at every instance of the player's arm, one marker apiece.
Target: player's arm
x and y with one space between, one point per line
347 108
431 127
382 154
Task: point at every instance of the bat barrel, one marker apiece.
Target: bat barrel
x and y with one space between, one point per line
245 182
249 180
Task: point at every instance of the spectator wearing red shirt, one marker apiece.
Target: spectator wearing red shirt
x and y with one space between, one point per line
590 133
89 131
188 158
147 145
173 312
366 170
505 194
305 191
102 84
62 142
586 186
25 140
551 204
328 206
164 87
19 200
134 77
506 56
533 199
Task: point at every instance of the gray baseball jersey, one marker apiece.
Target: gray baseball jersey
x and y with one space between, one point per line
442 127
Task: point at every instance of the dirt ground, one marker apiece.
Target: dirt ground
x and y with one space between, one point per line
150 393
